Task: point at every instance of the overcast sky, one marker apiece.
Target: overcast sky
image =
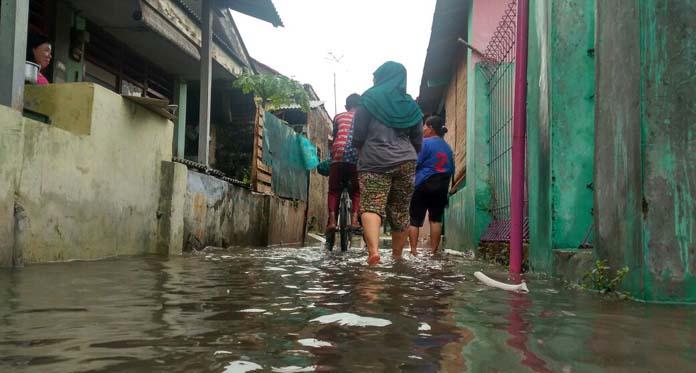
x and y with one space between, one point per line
363 33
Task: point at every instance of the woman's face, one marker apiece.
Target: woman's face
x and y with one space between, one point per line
42 55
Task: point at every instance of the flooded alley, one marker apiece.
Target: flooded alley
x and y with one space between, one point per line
303 309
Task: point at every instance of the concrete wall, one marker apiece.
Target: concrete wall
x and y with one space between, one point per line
318 132
560 126
646 156
11 145
86 194
217 213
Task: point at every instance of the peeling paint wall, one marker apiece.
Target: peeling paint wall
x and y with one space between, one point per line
646 154
217 213
560 126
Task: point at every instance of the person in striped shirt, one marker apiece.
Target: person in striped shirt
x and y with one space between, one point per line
343 164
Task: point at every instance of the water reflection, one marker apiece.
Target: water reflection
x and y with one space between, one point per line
291 310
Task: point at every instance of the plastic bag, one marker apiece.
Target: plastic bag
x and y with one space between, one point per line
324 167
309 153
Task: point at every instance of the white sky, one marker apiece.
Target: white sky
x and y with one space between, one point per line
366 33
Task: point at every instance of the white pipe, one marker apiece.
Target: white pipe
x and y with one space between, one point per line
501 285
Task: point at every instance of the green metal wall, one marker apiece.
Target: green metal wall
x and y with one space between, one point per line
560 126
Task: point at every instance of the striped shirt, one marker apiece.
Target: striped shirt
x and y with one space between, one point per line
342 149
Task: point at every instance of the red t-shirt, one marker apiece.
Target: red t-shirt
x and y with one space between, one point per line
342 124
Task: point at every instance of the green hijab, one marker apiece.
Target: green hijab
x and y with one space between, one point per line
388 101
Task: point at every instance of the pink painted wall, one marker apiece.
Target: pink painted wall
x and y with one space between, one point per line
485 16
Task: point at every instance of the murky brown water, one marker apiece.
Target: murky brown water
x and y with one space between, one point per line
292 310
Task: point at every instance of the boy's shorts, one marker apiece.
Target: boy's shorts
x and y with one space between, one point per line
431 196
388 194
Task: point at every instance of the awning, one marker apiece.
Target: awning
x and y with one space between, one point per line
261 9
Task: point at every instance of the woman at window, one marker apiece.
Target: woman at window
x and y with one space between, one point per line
39 52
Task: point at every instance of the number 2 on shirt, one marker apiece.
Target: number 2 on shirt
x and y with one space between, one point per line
443 160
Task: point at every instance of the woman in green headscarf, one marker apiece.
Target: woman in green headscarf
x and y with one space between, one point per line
388 133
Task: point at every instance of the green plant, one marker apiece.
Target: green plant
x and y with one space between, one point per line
602 279
273 91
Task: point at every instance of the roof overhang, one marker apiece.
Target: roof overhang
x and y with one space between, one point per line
163 33
261 9
450 22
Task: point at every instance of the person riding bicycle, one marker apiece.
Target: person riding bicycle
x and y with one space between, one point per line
434 171
344 158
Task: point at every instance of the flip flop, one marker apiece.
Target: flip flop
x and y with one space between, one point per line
373 260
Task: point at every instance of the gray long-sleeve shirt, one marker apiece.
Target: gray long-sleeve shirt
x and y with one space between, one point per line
381 148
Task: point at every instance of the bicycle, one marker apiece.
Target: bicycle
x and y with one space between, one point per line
343 220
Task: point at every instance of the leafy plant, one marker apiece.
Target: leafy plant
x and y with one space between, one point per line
602 279
273 91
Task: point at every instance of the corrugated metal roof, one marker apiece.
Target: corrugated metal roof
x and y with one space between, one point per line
450 22
261 9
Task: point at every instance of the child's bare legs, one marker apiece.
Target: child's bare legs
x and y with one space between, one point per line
413 232
435 234
398 242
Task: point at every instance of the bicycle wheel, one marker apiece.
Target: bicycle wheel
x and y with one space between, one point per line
344 220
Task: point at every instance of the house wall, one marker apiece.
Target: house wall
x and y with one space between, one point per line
318 132
469 212
85 196
560 125
217 213
455 109
11 145
646 156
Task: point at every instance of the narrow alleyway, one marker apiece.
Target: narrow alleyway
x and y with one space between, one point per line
296 310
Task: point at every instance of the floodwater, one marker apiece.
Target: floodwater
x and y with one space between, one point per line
301 310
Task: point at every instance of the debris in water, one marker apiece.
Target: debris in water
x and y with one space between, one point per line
312 342
294 369
252 310
424 326
501 285
222 352
351 319
241 366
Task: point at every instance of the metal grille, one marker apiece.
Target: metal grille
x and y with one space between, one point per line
499 69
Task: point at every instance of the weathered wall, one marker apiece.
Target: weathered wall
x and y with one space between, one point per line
285 221
668 52
318 132
572 118
171 208
11 144
90 195
218 213
468 214
539 138
560 126
618 185
455 110
646 156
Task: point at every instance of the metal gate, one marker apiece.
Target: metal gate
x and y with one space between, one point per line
499 70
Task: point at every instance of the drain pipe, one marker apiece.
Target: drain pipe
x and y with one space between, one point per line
519 138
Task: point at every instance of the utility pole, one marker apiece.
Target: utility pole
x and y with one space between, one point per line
335 59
